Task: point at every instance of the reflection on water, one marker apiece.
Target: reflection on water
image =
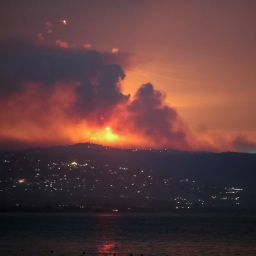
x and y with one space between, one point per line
107 247
83 234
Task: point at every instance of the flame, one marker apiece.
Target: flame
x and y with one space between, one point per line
104 135
54 126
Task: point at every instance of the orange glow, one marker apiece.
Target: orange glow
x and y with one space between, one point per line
62 44
115 50
47 122
103 135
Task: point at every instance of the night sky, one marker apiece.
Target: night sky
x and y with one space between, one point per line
160 74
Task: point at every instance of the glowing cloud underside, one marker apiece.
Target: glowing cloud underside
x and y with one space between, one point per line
61 95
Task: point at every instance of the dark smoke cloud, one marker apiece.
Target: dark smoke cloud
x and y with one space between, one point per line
97 91
154 119
98 78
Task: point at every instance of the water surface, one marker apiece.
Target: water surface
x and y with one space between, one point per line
150 234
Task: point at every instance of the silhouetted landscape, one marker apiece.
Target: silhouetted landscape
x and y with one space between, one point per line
89 177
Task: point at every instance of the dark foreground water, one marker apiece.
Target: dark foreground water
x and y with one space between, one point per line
85 234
